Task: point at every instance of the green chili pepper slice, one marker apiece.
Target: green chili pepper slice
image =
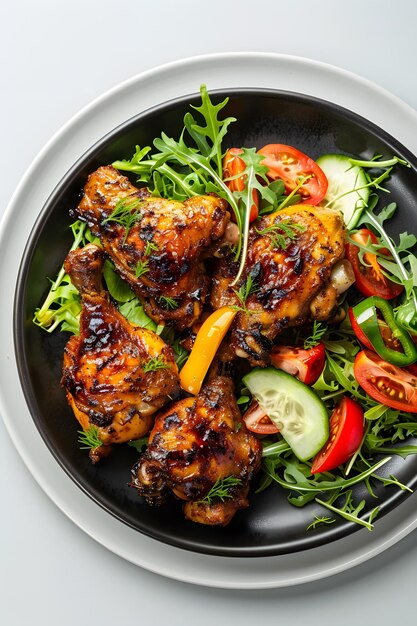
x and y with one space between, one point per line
366 316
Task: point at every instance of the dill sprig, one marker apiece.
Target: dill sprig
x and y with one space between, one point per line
150 247
168 303
142 267
248 288
126 213
282 233
90 438
221 490
155 363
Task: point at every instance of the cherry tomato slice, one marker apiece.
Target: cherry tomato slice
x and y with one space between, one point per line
257 421
370 280
390 341
360 335
290 165
306 365
346 432
232 166
388 384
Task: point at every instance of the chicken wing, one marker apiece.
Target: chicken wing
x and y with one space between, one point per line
116 375
157 245
287 278
195 446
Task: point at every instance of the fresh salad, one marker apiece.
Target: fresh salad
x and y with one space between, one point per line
339 398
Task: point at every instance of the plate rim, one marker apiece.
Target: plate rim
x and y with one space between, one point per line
190 65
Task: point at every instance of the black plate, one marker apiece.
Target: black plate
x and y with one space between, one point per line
270 526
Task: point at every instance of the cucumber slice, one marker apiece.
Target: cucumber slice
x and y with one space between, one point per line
294 408
346 192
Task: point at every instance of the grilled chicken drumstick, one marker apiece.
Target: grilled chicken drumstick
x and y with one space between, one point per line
196 443
116 375
157 245
287 279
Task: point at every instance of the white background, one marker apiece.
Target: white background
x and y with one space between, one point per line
55 57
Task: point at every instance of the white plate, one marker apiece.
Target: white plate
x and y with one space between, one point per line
114 107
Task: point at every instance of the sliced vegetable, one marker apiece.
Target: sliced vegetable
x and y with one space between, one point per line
207 341
293 407
233 168
367 314
370 280
292 166
257 420
347 189
346 432
306 365
360 335
386 383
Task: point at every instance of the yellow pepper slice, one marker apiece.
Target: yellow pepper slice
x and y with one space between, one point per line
206 344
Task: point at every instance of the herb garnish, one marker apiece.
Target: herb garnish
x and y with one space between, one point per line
142 267
154 364
221 489
249 287
317 332
282 233
89 439
126 213
168 303
150 247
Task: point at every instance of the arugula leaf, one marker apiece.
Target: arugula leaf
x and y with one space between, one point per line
400 269
351 512
214 130
320 520
318 330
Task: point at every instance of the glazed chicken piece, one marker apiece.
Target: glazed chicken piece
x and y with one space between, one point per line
290 268
194 443
116 375
157 245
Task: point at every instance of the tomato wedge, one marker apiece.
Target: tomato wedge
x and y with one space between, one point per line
370 280
306 365
257 420
346 432
233 165
388 384
290 165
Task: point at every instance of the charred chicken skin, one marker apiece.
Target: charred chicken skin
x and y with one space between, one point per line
194 443
109 371
159 248
290 260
